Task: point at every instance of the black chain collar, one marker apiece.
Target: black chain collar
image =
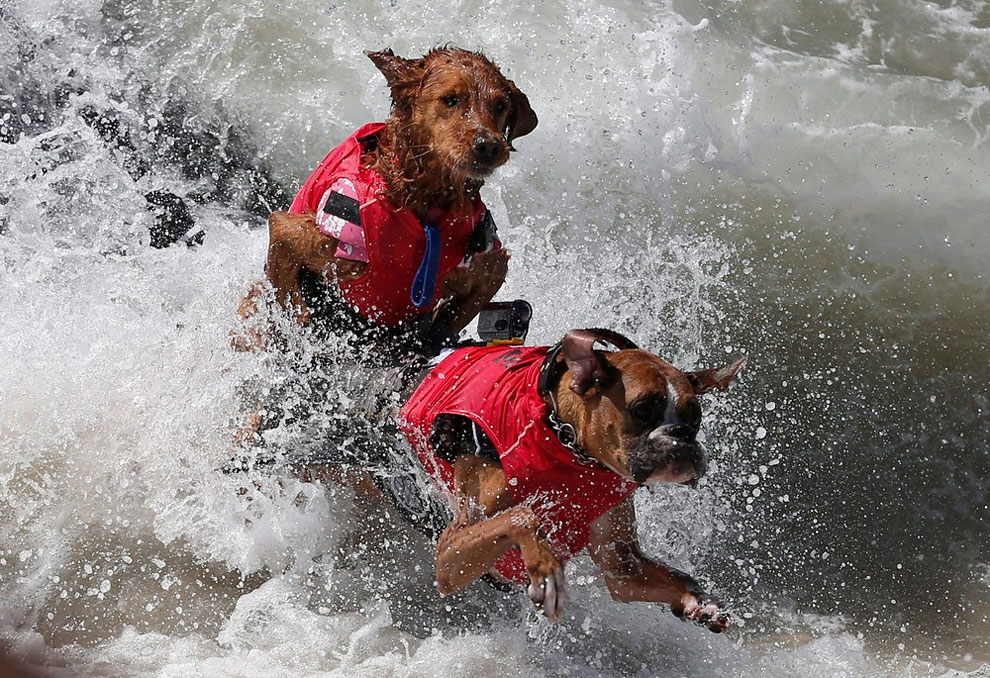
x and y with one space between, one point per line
550 372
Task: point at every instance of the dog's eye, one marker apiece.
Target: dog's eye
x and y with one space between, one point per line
499 107
647 410
451 100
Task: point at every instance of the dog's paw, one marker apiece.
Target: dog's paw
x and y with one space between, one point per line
490 268
546 578
457 283
483 275
703 609
546 590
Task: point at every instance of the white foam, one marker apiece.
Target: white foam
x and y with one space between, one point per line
118 398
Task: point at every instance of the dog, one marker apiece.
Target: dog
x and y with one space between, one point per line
389 237
541 449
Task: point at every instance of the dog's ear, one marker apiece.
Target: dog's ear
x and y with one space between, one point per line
587 367
719 378
620 341
399 73
522 119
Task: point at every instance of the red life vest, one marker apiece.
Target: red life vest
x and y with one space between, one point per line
496 387
396 240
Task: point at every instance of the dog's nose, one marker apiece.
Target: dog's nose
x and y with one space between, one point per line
485 149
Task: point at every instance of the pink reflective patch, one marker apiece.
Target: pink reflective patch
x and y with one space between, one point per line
350 237
328 223
350 243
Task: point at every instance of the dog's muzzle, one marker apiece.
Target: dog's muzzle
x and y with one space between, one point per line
668 454
487 152
486 149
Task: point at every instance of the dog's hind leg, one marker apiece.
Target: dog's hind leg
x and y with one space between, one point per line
473 541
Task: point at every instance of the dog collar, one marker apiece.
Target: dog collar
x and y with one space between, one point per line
550 372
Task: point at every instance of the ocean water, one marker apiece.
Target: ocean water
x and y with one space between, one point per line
805 183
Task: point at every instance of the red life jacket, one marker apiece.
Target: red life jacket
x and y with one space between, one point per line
496 387
396 240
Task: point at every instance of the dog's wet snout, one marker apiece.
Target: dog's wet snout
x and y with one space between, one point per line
669 453
486 149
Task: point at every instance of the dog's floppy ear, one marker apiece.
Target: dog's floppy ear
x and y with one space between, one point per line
522 120
587 367
620 341
398 72
719 378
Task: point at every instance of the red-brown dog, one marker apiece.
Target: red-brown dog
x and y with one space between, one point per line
542 449
390 228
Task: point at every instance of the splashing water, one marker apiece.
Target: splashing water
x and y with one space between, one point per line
802 182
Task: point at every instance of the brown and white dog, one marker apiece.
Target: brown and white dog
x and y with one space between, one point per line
453 120
542 448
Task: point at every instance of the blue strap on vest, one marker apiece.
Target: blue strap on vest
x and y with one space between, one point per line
425 281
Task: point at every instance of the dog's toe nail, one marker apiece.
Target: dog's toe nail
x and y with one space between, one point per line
536 593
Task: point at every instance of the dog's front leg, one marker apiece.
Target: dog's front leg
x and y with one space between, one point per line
631 576
485 526
290 242
471 288
295 244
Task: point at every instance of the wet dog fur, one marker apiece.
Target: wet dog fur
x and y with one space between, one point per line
453 120
634 413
